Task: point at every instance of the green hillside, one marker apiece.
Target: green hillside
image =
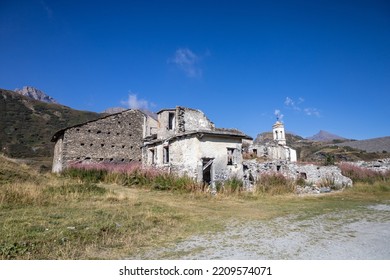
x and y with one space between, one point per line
27 125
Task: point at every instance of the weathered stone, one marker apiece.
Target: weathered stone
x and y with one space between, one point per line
117 138
187 143
316 176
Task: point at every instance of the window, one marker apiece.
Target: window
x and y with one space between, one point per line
171 119
230 156
166 154
152 156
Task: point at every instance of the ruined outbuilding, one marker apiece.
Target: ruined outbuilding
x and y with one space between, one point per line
188 143
117 138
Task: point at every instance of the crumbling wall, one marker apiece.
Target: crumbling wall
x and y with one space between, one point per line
190 120
114 139
313 175
380 165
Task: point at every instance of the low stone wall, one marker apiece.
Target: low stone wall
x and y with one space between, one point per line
316 178
380 165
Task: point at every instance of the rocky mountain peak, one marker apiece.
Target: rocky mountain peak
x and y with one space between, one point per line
36 94
325 136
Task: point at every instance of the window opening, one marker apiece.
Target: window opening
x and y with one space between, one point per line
166 154
230 155
171 118
152 155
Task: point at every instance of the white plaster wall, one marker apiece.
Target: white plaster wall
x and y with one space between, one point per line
163 119
293 155
195 120
57 159
186 154
212 147
151 126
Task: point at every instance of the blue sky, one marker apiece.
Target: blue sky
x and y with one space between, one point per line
318 64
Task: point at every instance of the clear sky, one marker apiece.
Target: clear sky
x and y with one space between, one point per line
318 64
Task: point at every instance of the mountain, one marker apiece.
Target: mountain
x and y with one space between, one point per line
27 125
324 136
373 145
35 94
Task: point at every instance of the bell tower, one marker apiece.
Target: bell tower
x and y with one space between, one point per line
278 133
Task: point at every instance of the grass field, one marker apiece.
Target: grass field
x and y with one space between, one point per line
43 216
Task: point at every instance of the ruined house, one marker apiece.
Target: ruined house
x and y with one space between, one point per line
188 143
116 138
276 149
181 140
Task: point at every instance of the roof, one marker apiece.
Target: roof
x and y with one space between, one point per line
60 132
227 133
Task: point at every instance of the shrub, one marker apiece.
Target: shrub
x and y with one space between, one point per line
364 175
231 186
274 184
131 175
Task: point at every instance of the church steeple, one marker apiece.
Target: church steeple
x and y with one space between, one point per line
278 132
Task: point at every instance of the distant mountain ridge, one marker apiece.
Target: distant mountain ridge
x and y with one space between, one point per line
373 145
35 94
325 136
27 125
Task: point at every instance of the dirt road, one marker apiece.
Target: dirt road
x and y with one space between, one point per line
356 234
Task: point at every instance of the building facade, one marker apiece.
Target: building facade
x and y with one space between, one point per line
277 149
188 143
117 138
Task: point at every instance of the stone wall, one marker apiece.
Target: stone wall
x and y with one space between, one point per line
117 138
190 120
380 165
313 175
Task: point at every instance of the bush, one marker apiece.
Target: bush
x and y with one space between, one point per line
231 186
364 175
131 175
274 184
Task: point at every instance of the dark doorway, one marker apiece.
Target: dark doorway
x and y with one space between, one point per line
207 164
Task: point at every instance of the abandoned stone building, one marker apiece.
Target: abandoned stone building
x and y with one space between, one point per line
116 138
188 143
276 149
181 140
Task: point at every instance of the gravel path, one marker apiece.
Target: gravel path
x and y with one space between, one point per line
357 234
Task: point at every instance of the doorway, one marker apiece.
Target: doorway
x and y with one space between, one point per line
207 164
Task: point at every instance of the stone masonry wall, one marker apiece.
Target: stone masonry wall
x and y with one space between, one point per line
314 175
190 119
114 139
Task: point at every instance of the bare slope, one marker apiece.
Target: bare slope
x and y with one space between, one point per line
27 125
374 145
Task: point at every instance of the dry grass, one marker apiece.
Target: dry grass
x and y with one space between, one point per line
54 217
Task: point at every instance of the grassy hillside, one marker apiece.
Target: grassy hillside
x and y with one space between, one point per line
27 125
